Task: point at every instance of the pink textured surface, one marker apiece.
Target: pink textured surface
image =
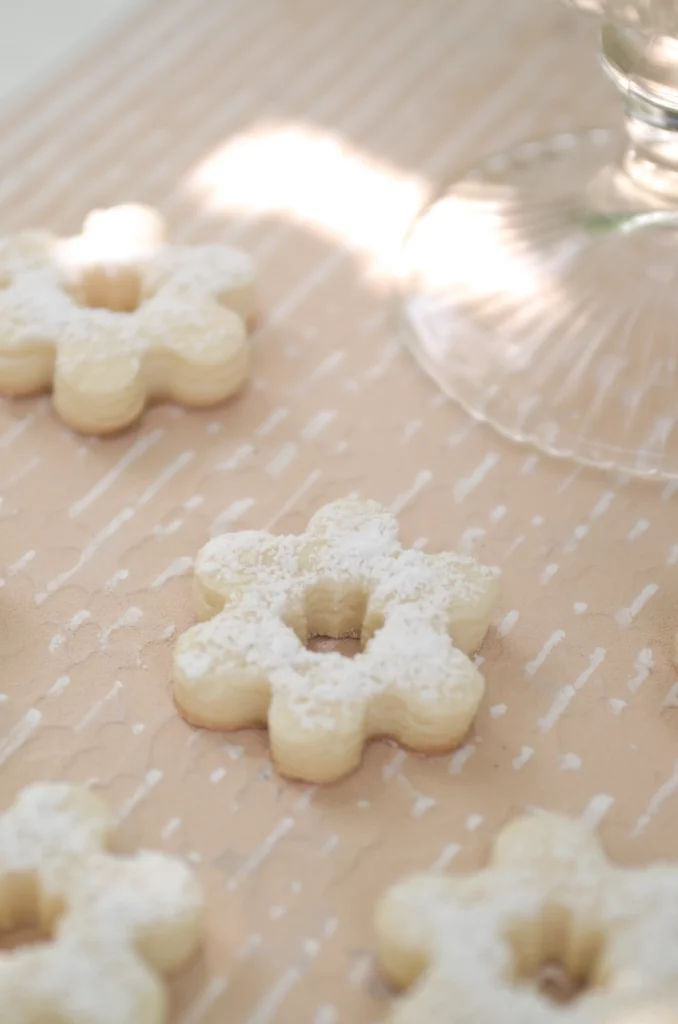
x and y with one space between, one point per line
579 714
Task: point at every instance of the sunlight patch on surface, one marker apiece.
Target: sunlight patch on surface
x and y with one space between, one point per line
304 174
473 242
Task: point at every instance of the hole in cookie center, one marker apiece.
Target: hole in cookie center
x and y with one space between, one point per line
335 617
27 920
117 288
348 646
550 960
24 935
558 986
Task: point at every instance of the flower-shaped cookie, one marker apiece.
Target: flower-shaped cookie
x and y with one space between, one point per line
116 923
415 615
475 949
115 317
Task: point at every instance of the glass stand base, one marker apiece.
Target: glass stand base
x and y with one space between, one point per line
542 295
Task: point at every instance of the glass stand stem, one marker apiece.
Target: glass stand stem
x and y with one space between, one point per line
645 70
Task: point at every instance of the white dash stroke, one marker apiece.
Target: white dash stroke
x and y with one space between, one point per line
334 360
87 553
392 767
267 1008
447 855
96 707
361 970
514 545
21 563
421 805
326 1014
114 525
284 458
318 423
118 576
578 534
467 541
460 435
26 469
264 850
460 757
330 845
638 529
294 498
170 827
19 734
130 617
139 448
625 616
603 504
463 487
16 430
303 802
563 699
566 693
412 427
179 567
422 480
167 529
570 763
596 809
233 750
151 780
523 757
58 687
204 1001
508 623
533 666
666 790
272 421
643 665
235 511
57 641
296 295
79 619
164 477
251 944
234 461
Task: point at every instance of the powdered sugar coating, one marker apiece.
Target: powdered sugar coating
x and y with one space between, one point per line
116 316
115 922
418 616
217 270
471 947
